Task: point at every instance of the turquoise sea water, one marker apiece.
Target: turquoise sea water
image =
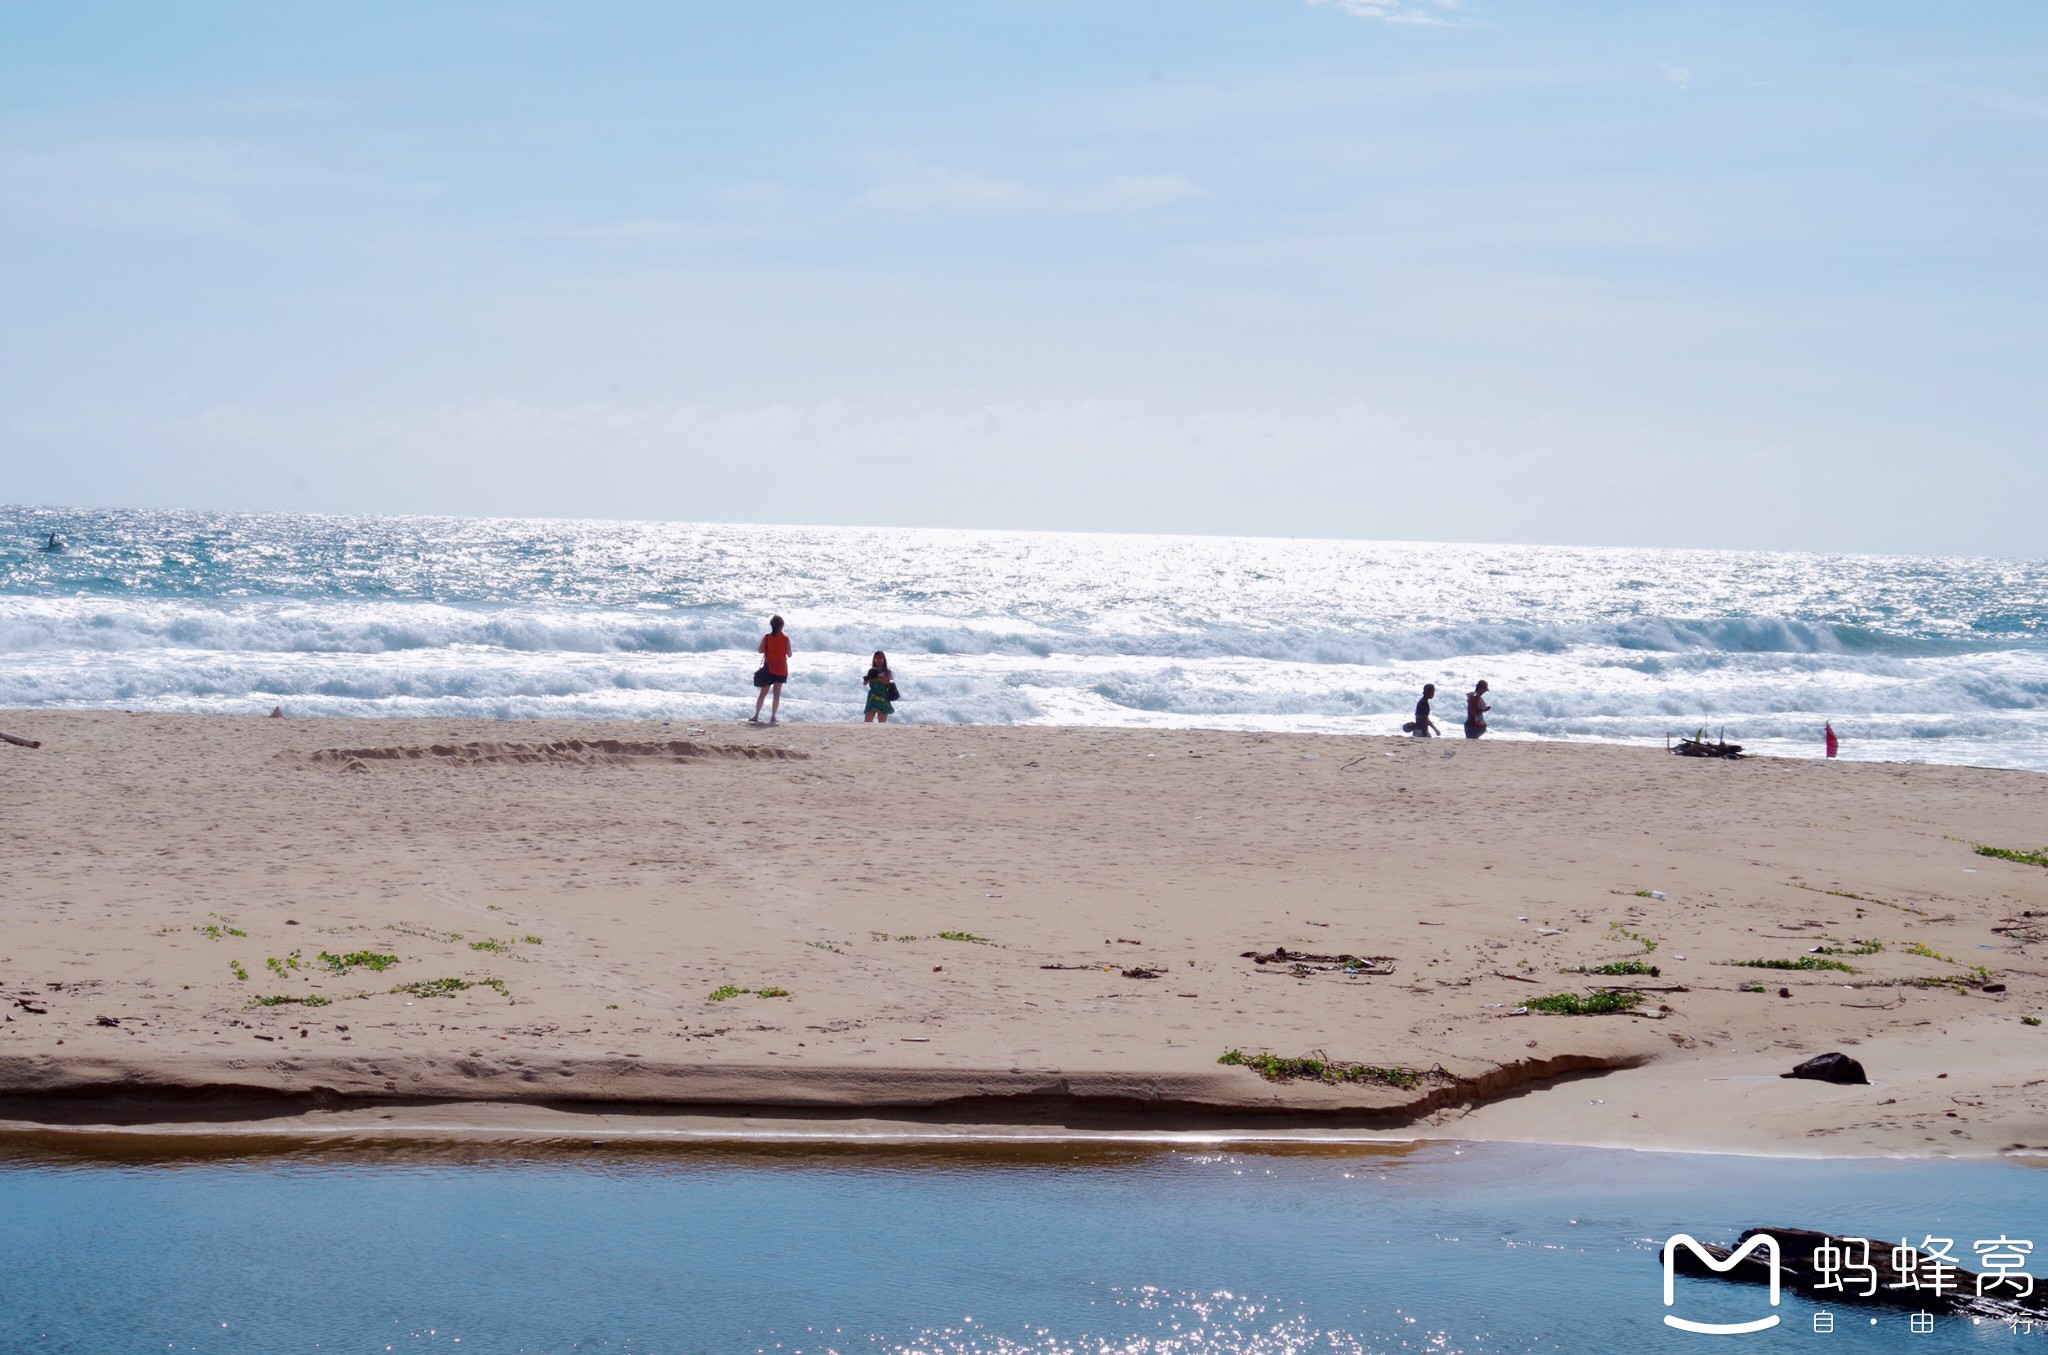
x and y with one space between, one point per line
1935 659
1439 1248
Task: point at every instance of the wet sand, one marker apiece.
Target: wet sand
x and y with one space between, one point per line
598 887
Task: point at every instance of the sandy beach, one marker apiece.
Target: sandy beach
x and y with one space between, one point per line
836 930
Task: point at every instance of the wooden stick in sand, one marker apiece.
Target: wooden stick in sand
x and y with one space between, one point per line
21 743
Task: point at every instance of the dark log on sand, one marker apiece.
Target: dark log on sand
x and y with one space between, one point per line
20 743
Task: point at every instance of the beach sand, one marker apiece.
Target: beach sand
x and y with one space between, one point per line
596 884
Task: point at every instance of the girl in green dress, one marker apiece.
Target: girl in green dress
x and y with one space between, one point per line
881 687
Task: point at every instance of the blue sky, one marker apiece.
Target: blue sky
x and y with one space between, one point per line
1742 274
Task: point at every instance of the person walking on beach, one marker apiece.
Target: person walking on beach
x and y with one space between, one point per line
881 684
1422 726
774 650
1475 710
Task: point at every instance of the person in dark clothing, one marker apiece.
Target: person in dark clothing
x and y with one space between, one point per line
1475 711
1423 727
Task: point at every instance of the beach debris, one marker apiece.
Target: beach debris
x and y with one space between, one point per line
1994 988
30 1007
113 1021
1126 941
1842 1269
1518 978
1698 746
917 1039
1831 1067
20 742
1143 973
1343 963
565 752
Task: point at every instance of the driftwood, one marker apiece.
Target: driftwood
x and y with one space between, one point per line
20 742
1365 964
1701 748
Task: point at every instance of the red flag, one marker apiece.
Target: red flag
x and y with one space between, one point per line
1834 744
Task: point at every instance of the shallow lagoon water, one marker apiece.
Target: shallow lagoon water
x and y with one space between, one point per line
1441 1248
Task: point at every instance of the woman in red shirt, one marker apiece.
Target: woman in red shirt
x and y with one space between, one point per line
774 650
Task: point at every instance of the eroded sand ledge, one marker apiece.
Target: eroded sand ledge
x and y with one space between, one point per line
595 885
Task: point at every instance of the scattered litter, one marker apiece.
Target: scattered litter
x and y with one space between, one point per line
1698 746
1126 941
991 896
107 1021
32 1010
1143 973
1301 960
1311 757
1657 894
1325 924
1597 1101
1550 931
1521 919
1429 924
917 1039
938 969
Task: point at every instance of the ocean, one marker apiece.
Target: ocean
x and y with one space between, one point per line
1911 658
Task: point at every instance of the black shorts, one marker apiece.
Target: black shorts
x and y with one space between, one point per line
764 678
1473 729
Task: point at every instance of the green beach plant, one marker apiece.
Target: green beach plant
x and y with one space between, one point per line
1645 942
1616 967
1591 1004
2034 858
356 959
726 990
312 1000
450 987
1318 1067
1803 963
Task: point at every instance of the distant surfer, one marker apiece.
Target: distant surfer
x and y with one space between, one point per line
53 546
1475 710
1422 727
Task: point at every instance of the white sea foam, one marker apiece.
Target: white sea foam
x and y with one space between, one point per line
1943 660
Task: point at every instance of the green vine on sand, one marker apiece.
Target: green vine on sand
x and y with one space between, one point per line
1319 1067
1592 1004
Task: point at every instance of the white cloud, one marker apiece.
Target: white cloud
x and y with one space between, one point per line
1678 77
949 191
1428 14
